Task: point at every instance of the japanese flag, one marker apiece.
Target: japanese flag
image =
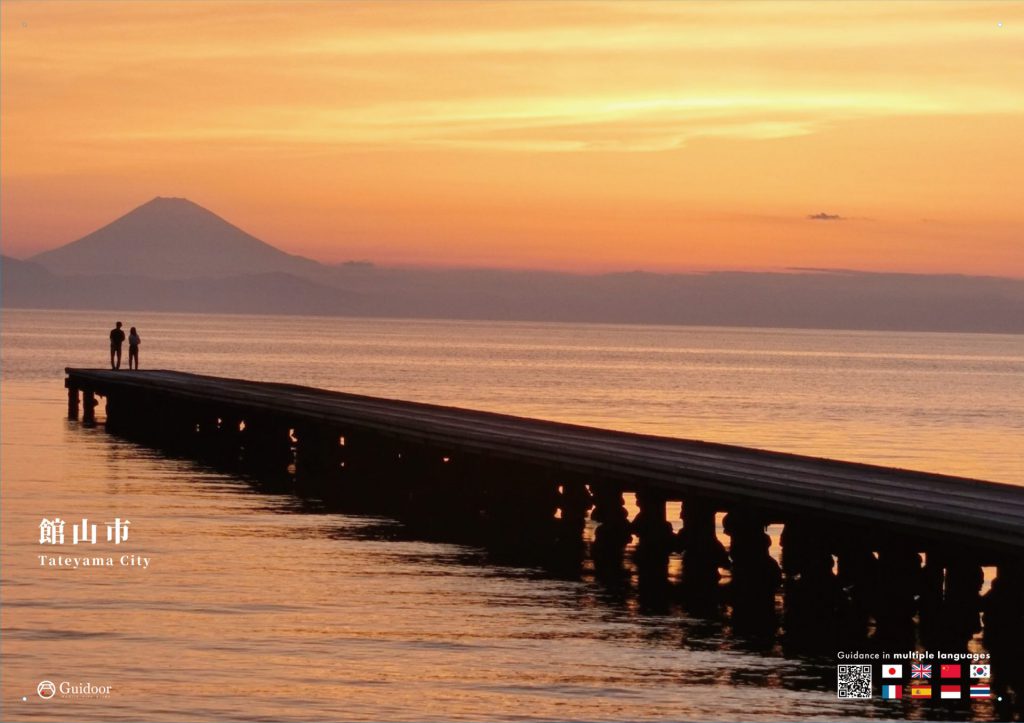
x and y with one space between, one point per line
892 671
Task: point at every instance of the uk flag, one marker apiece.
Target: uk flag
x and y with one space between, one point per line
920 671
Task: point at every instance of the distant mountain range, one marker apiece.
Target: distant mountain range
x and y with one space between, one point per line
171 254
171 238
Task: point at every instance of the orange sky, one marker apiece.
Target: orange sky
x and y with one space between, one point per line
582 136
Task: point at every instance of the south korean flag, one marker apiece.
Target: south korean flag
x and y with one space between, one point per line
981 671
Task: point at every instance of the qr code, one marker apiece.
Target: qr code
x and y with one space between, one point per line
854 681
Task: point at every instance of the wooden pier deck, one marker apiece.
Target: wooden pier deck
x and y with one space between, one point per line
983 517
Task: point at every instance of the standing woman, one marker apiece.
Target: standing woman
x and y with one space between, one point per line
133 348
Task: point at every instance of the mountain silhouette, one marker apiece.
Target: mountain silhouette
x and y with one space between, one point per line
173 255
171 238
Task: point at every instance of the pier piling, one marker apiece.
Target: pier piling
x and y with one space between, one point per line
703 553
72 403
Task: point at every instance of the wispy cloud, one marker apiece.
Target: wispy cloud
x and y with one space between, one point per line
576 77
575 122
822 216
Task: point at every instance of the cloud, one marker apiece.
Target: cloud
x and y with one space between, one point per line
822 216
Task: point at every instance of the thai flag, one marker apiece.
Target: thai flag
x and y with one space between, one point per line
980 691
920 671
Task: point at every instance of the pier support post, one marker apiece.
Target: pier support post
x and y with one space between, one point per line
177 426
703 554
811 590
440 503
933 590
857 582
136 415
900 578
217 435
1003 607
806 554
755 574
962 600
656 541
574 502
89 407
207 431
73 403
613 533
949 598
519 511
230 436
266 444
379 474
130 415
653 531
115 408
318 452
1003 614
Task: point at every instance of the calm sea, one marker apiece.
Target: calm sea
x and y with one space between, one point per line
259 605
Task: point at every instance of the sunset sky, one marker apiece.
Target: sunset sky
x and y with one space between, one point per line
577 136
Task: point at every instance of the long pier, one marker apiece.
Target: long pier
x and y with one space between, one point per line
853 536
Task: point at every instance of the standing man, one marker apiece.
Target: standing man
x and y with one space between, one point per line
116 340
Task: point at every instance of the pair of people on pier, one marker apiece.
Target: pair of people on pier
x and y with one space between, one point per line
117 338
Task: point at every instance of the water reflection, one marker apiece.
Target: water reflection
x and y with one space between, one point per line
637 599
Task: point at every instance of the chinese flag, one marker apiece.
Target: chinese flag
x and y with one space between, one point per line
950 671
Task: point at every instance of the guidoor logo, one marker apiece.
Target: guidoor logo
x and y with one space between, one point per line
46 689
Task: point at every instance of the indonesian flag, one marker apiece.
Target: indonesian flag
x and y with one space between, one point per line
951 670
892 671
981 671
950 691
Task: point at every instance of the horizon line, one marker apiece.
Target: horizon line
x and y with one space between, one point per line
695 271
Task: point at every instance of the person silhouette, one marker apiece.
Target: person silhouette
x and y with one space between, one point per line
116 340
133 348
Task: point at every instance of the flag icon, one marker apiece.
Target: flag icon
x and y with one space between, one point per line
950 670
950 691
981 671
980 691
918 670
892 671
920 690
894 692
